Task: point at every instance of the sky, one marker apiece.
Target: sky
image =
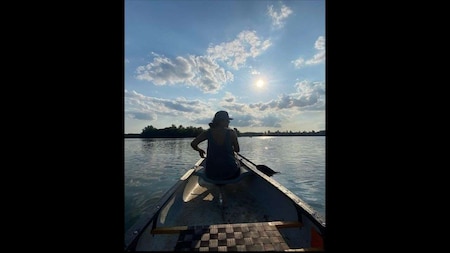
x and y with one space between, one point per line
261 61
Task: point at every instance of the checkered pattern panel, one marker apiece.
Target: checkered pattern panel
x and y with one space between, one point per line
232 237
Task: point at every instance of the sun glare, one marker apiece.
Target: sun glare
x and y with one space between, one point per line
260 83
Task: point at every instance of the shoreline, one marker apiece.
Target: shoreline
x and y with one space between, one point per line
241 135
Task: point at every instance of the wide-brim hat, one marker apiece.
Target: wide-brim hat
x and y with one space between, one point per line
221 115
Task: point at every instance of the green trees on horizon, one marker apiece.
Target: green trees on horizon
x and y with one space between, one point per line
172 131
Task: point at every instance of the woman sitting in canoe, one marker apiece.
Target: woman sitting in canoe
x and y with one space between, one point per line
220 163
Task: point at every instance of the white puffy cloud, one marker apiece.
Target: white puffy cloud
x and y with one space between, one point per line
317 58
235 53
197 71
278 17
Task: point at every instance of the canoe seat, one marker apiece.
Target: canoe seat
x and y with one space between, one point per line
243 173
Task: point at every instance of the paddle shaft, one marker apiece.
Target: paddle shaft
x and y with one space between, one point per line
263 168
246 159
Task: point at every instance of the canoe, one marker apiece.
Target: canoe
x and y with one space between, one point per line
250 213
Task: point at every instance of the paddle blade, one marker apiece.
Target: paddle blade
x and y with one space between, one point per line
266 170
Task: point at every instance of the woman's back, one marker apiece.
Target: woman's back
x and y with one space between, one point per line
218 135
220 160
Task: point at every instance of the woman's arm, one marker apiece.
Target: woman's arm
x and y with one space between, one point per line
194 144
234 141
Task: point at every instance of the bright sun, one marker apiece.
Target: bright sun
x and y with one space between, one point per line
260 83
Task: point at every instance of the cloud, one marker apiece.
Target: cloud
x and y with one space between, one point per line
270 121
203 72
164 70
254 72
320 43
235 53
141 107
319 57
197 71
229 98
250 119
142 116
245 120
278 17
309 96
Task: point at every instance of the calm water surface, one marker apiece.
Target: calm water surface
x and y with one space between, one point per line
153 165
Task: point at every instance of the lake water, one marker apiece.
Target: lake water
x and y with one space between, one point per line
153 165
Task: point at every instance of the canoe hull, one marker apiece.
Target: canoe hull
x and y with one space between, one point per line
256 202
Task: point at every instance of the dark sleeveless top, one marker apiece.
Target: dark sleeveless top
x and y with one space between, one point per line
220 160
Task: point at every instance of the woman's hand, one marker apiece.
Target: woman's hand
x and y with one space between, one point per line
201 152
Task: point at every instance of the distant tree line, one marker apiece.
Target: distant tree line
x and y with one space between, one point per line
190 131
285 133
170 132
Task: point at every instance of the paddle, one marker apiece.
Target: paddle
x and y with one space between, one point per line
261 167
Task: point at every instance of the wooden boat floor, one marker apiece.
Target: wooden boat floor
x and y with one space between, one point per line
259 236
